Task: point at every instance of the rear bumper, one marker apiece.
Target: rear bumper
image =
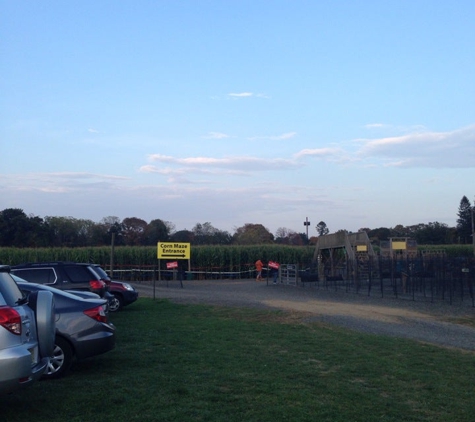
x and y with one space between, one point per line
95 343
16 370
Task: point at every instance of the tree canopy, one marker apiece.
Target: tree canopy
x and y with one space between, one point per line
252 234
20 230
322 228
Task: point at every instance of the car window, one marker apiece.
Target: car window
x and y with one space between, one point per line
78 273
9 290
37 275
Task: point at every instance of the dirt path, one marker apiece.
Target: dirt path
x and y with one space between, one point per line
436 323
366 311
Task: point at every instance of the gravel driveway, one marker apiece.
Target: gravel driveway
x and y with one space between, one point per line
436 323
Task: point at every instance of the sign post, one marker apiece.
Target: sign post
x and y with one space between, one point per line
173 251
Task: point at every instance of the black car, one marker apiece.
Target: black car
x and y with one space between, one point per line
78 276
63 276
83 329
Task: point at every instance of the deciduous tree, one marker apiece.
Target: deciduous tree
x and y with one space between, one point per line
252 234
19 230
156 231
433 234
322 228
133 230
64 231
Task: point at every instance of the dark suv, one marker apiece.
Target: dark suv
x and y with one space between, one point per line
63 276
78 276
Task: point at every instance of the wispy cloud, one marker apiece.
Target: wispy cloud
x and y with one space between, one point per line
453 149
284 136
240 94
242 163
174 172
215 135
419 149
60 181
176 167
82 175
246 95
395 128
328 153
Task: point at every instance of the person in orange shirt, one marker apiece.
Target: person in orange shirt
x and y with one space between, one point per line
259 266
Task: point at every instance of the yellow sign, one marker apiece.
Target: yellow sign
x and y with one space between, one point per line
398 246
173 250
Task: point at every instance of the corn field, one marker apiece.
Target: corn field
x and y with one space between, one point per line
140 261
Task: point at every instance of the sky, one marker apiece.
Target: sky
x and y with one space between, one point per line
360 114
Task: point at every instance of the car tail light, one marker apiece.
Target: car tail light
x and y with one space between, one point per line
97 284
97 313
10 319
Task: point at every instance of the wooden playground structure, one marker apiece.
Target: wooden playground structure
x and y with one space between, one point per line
348 261
343 256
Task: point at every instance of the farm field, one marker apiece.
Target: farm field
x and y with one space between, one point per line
177 360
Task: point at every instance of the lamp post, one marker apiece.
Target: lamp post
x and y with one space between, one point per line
114 229
306 223
112 253
473 228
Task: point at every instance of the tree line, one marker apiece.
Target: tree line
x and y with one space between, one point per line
17 229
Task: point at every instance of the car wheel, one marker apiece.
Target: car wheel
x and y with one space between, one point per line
115 303
61 359
42 303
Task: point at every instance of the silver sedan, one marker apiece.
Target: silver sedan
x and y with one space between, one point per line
83 329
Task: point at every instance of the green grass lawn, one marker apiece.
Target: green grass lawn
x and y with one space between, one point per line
201 363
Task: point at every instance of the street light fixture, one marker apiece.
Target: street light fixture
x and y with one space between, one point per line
306 223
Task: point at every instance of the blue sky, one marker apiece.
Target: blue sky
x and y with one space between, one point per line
355 113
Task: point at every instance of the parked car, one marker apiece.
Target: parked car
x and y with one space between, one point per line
78 276
27 331
83 329
63 276
124 294
80 293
